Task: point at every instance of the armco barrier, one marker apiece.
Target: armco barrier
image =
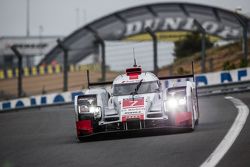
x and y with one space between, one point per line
209 83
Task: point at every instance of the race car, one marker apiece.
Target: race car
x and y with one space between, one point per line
137 100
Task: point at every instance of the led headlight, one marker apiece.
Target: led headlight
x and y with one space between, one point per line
172 103
83 109
96 110
182 101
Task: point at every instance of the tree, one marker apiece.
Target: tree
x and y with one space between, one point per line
190 45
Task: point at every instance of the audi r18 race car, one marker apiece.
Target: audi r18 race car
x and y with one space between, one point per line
137 100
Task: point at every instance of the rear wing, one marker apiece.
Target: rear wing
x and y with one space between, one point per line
176 77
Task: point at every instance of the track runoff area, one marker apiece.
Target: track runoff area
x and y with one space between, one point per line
47 137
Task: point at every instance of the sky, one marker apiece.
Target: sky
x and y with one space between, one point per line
62 17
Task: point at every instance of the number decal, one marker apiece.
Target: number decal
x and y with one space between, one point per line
130 103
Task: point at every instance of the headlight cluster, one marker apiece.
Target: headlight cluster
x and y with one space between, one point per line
173 102
83 108
96 110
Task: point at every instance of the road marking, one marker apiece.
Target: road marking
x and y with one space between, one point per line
231 135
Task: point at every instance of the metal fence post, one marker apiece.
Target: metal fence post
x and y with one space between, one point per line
245 40
154 37
203 45
65 65
20 70
244 23
103 52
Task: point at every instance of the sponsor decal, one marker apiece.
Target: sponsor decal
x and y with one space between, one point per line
179 23
133 109
130 117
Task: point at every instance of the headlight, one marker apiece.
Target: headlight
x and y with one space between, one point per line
96 110
182 101
83 109
173 103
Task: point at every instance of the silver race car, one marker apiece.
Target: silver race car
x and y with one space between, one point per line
137 100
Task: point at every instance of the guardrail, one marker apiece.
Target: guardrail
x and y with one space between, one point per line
232 87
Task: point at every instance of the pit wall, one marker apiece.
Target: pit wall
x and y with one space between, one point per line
206 79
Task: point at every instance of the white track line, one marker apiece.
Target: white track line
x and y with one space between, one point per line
231 135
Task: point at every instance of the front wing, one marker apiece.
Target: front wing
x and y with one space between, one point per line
180 120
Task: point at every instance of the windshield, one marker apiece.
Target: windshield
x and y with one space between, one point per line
127 89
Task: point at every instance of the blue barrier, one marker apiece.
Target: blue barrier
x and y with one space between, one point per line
201 79
39 100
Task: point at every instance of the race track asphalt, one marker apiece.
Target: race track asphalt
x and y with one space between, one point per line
47 137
